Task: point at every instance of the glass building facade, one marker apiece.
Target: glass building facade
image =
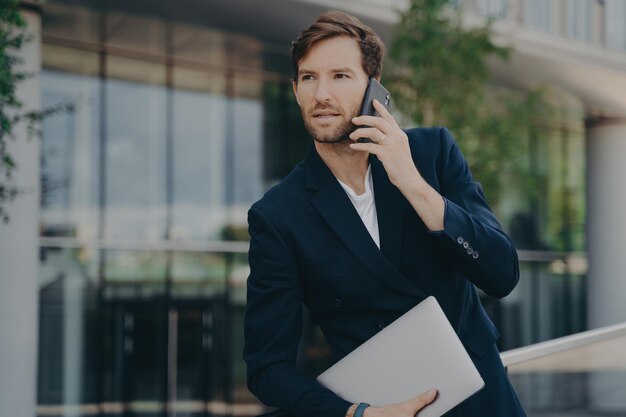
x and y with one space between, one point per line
177 128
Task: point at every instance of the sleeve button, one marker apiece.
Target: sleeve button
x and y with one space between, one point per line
470 251
465 245
475 255
460 240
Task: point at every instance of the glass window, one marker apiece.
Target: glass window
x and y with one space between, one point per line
75 22
69 181
577 19
492 8
537 14
135 206
136 33
199 148
245 149
615 16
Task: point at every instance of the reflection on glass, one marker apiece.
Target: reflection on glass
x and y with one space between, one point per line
199 267
141 266
548 302
199 194
75 22
246 149
135 32
67 299
537 14
578 19
492 8
135 161
239 269
69 151
615 16
74 61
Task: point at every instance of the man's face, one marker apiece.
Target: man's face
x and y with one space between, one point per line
330 88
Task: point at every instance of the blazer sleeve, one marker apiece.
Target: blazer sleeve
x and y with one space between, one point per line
273 327
472 236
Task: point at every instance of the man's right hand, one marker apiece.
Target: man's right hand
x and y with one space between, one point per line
407 408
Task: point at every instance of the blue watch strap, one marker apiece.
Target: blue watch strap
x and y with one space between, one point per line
360 409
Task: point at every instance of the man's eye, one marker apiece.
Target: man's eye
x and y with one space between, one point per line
306 77
342 76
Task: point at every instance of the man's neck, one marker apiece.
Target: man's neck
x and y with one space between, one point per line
347 165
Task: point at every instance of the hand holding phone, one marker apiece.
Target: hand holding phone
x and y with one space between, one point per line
374 90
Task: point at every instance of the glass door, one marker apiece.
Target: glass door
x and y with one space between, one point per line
159 361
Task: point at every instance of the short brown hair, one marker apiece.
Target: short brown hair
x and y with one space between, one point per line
335 23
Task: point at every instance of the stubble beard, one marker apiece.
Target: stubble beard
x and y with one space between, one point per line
340 137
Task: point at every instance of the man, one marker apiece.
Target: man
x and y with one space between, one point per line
362 232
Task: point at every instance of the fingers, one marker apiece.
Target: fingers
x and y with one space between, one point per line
372 148
384 113
385 123
368 132
373 121
423 399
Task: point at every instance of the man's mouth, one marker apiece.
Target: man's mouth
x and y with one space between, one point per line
324 115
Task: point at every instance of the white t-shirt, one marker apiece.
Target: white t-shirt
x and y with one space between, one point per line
365 205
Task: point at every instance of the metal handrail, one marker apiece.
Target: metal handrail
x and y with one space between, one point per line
223 246
538 350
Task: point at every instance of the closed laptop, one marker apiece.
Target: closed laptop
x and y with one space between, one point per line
418 351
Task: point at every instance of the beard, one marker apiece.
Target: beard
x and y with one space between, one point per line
340 135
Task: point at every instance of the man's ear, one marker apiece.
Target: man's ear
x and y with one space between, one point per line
295 91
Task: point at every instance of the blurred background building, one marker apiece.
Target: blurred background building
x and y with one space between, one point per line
184 116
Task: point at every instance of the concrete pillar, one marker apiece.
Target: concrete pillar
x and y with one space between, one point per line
19 253
606 228
73 322
606 223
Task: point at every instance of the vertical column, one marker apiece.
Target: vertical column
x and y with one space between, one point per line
73 341
19 251
606 224
606 228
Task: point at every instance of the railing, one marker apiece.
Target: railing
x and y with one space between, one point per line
580 374
551 347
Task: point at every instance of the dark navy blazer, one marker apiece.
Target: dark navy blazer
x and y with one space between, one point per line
308 244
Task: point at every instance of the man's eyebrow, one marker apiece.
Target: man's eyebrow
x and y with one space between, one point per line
343 69
305 71
346 69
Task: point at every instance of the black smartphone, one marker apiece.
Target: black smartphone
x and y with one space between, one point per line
374 90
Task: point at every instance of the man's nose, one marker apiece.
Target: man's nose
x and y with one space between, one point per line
322 91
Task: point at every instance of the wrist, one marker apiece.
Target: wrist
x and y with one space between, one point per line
369 412
351 410
411 182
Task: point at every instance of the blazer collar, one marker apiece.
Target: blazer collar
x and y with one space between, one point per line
335 207
390 209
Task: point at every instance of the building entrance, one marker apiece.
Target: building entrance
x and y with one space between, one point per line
160 358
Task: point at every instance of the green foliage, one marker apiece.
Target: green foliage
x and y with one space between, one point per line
438 75
12 37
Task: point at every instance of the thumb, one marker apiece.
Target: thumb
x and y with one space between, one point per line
424 399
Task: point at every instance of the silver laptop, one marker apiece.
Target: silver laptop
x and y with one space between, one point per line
418 351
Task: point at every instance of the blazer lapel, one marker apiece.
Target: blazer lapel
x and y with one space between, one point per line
390 209
335 207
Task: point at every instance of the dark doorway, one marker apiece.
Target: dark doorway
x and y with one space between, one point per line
158 359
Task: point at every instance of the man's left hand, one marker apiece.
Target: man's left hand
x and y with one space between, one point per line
390 144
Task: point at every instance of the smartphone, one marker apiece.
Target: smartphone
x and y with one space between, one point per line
374 90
